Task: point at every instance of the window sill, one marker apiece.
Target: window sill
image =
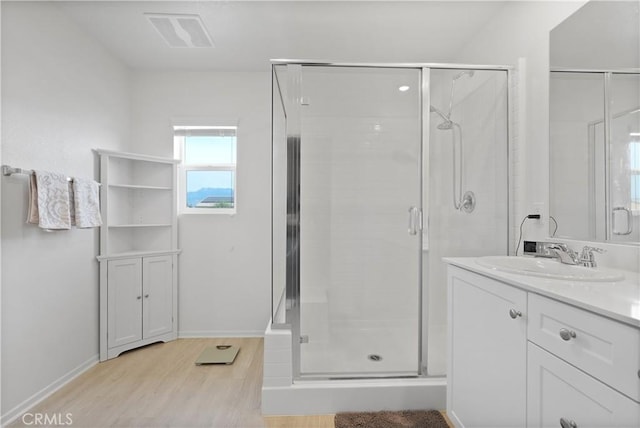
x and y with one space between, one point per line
219 211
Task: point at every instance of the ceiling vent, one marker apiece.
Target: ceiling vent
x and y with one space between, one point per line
181 31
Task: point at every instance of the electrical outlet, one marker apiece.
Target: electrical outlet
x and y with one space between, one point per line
536 208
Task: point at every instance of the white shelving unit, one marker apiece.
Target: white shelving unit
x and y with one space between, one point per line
138 251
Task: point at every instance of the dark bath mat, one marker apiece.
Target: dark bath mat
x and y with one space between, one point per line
388 419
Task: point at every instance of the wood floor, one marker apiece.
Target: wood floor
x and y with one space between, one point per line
160 386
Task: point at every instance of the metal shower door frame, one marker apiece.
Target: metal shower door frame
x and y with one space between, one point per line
293 142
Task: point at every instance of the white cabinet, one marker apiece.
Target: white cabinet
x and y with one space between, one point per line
157 296
141 300
138 203
138 251
487 352
124 312
582 368
546 364
606 349
560 395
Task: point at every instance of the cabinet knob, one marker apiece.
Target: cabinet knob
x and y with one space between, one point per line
514 314
566 423
567 334
139 297
146 296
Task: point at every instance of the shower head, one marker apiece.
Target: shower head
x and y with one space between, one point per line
447 124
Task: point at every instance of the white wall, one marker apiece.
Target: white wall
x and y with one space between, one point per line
62 95
225 265
521 30
590 38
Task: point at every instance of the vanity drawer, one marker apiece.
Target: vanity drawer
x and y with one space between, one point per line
606 349
558 391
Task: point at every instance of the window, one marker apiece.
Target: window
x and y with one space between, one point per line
208 168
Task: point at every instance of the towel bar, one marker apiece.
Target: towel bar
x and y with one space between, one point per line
9 170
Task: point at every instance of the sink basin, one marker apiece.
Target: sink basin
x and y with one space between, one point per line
548 268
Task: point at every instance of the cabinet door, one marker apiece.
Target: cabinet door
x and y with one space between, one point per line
157 279
557 390
124 295
487 352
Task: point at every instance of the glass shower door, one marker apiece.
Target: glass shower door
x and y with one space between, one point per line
624 158
360 216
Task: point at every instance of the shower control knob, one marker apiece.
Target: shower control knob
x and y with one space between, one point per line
514 314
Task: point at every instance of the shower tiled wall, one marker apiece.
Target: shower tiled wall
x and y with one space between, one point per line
277 369
479 107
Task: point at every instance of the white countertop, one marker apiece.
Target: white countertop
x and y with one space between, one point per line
617 300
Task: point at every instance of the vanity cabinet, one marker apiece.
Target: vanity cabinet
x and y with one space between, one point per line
546 364
487 352
560 395
606 349
582 368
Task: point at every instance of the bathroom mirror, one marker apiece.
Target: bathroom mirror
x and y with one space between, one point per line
594 124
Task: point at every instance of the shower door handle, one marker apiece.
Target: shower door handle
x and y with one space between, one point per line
415 220
629 221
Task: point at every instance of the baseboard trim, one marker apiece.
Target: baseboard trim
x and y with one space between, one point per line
204 334
45 392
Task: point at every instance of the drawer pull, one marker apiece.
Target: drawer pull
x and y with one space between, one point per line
514 314
567 334
565 423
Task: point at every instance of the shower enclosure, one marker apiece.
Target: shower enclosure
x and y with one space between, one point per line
366 159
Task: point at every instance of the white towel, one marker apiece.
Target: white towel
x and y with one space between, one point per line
86 195
53 200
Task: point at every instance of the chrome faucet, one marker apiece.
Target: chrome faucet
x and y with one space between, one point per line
564 253
587 258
